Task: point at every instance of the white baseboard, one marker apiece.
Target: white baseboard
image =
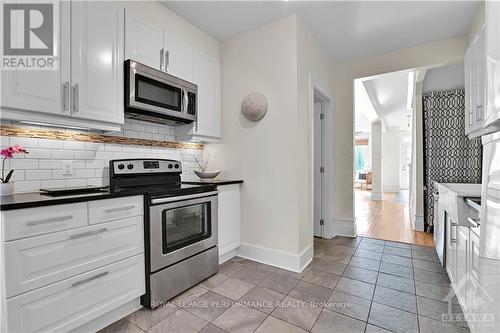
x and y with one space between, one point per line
223 257
377 196
343 227
418 223
110 317
277 258
390 188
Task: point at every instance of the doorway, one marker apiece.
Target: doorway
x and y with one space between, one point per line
320 107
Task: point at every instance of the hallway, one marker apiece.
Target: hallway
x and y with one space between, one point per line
388 219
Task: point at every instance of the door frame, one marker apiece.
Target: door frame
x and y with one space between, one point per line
316 88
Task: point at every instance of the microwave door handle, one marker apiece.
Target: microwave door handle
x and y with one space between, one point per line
185 101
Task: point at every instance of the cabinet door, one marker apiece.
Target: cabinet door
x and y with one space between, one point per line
468 89
492 50
206 74
178 58
143 42
475 293
229 218
97 42
461 277
43 90
480 63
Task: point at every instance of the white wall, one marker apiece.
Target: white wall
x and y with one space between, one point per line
376 153
390 159
444 78
313 63
272 155
437 53
264 154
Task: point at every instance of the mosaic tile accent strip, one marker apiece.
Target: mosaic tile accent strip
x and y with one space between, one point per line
92 137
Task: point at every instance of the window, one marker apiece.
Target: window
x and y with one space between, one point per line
360 157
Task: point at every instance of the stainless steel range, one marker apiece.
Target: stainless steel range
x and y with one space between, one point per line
180 225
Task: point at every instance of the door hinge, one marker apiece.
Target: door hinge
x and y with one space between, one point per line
322 170
321 116
321 222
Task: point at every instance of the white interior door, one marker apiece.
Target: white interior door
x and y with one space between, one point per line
319 175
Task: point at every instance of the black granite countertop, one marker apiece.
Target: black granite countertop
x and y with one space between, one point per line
217 182
37 199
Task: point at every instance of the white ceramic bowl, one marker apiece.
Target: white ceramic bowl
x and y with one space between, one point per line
207 174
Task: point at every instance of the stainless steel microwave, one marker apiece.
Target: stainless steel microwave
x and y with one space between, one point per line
153 95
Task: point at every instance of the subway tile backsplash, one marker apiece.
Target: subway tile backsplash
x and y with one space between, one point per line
43 166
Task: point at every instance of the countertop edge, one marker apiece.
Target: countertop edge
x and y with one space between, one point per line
51 201
214 182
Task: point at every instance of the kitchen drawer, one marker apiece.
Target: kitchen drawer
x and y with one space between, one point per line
69 304
39 261
113 209
22 223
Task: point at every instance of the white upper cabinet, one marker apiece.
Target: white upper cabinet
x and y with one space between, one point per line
97 40
42 90
178 58
492 58
144 42
206 74
482 76
474 68
87 88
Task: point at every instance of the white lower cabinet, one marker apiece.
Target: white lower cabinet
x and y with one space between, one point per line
229 221
68 304
39 261
65 265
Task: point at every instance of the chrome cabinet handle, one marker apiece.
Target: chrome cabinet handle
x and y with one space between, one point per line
167 61
475 222
50 220
118 209
453 241
453 224
479 112
75 98
162 59
65 95
78 283
88 233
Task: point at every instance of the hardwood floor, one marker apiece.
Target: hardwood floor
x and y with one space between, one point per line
388 219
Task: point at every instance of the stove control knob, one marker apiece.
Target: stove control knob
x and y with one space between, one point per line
170 166
130 166
177 166
121 166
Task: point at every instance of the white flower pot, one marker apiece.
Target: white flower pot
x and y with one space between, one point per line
7 188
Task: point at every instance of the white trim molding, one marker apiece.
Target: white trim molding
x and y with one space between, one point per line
344 227
276 258
390 188
418 223
377 196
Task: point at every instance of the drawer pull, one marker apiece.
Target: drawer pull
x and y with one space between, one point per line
50 220
79 283
88 233
118 209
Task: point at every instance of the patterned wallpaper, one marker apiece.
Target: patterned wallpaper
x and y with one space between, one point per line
449 155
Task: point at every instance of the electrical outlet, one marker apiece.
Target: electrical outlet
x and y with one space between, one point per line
68 168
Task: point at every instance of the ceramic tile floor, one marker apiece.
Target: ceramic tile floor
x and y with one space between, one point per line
352 285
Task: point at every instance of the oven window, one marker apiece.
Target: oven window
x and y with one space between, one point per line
157 93
186 225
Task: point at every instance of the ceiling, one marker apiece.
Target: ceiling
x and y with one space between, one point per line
346 30
388 94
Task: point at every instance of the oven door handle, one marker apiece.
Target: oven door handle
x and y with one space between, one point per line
184 197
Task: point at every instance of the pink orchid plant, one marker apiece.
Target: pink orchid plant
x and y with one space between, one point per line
9 153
